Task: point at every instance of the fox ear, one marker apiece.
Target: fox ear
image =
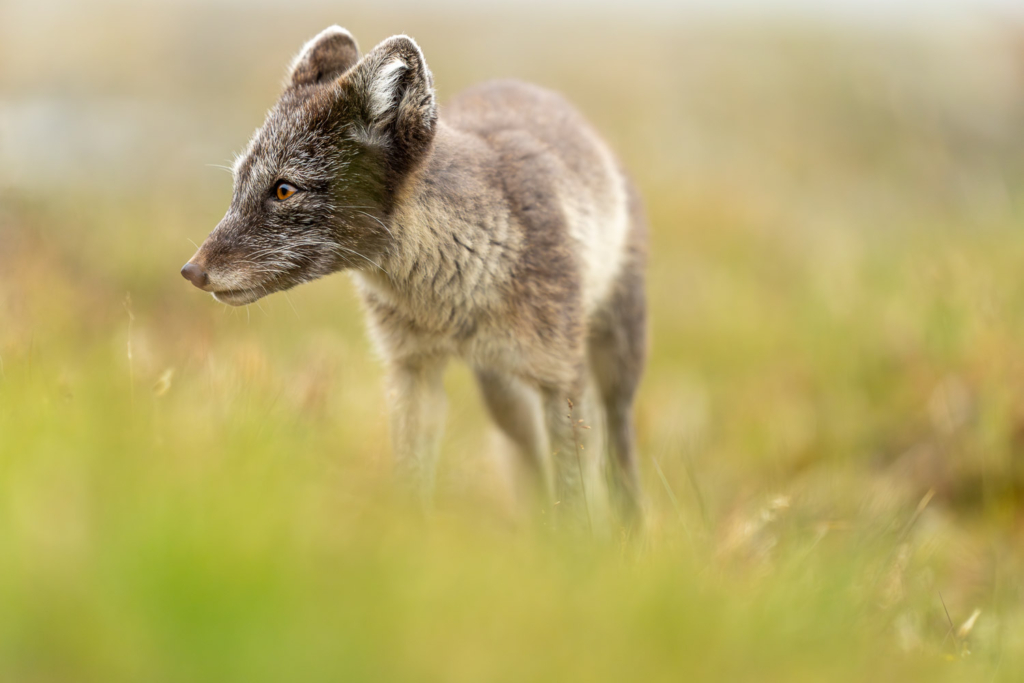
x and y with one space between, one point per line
397 93
331 53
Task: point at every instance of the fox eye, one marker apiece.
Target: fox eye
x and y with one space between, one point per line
283 191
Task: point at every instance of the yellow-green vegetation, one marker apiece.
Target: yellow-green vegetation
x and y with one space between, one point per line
831 427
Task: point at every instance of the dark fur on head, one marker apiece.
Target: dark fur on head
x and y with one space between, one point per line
345 133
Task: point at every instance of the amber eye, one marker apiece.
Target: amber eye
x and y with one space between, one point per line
284 191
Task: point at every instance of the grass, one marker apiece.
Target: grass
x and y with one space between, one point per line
144 544
830 426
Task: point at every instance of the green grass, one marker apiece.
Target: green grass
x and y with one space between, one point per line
831 426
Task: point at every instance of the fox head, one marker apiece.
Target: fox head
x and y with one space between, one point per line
316 184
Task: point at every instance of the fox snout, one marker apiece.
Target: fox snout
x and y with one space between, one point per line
195 274
227 285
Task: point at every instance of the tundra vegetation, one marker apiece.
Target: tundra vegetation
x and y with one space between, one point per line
830 431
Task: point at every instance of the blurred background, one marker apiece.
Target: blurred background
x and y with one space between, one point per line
831 427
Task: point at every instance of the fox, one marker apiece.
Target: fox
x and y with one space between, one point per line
500 231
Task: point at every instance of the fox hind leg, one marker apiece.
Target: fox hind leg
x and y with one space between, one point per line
617 349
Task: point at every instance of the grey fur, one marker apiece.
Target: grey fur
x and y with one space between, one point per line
503 234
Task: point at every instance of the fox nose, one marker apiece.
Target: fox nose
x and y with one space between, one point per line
195 275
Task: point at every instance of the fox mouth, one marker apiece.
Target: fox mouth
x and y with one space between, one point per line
239 297
242 296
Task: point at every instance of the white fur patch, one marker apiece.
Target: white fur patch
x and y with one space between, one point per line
382 89
599 224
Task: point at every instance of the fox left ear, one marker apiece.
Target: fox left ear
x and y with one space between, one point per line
397 93
331 53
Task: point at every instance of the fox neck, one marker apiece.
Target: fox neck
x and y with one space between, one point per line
453 239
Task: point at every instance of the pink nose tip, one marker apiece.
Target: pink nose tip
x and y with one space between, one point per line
194 274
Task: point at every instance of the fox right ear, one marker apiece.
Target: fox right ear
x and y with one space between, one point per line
331 53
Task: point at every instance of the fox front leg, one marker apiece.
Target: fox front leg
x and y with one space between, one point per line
417 412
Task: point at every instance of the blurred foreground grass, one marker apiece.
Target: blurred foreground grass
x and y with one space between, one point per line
832 425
